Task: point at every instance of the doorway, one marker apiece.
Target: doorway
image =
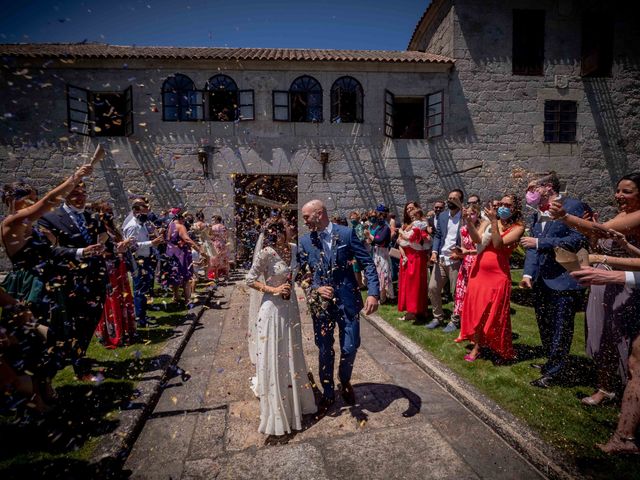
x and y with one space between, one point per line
258 198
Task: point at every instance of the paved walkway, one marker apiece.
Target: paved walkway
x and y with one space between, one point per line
404 426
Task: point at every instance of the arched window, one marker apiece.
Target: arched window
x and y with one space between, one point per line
223 99
180 100
346 101
305 96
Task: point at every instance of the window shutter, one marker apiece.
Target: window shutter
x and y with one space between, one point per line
128 113
434 114
246 108
78 107
196 105
389 100
280 106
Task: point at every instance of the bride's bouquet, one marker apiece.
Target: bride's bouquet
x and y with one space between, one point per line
316 304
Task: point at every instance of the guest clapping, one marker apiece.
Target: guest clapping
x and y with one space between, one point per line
486 312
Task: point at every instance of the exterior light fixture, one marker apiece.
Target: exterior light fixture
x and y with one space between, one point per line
324 160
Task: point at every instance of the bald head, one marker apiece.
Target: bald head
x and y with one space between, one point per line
315 215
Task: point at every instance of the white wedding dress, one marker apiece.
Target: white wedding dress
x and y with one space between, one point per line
282 385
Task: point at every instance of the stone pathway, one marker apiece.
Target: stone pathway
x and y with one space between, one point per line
404 425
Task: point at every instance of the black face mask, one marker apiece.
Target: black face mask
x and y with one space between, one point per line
452 206
107 217
142 217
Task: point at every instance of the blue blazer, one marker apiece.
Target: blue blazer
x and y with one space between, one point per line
336 270
541 263
441 231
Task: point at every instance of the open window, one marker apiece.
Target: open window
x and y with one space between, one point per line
597 44
346 101
181 101
226 102
99 114
413 117
528 42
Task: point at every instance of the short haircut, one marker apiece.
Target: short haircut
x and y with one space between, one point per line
457 190
550 178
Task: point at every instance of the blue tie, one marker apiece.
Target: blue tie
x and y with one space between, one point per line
82 226
324 237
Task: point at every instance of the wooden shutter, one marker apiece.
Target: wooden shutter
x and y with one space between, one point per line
78 110
389 100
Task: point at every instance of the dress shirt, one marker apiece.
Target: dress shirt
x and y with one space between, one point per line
138 231
450 239
632 279
72 212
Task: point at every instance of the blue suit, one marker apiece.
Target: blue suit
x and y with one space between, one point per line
332 267
557 296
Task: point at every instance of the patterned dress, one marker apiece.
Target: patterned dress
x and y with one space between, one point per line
463 273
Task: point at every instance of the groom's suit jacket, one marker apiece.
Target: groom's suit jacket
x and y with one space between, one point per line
540 263
335 269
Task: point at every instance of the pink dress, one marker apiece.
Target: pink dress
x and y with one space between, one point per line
463 273
219 263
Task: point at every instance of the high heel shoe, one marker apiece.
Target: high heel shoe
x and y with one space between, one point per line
605 397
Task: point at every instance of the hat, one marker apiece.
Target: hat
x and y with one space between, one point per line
382 208
174 211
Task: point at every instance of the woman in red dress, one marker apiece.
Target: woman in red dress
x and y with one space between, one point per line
413 281
117 326
486 318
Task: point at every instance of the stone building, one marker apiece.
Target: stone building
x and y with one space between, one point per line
486 93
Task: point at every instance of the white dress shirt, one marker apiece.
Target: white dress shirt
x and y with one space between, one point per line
138 231
450 239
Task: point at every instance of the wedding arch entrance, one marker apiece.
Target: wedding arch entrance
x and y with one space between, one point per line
256 198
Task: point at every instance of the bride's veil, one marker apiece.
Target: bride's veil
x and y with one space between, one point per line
255 300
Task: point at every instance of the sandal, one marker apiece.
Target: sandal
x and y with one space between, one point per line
619 445
605 397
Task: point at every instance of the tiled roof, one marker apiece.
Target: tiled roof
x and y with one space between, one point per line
94 50
427 17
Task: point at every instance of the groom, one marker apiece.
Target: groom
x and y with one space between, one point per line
326 253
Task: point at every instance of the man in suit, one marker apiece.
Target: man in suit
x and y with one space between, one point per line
325 255
445 265
78 254
556 295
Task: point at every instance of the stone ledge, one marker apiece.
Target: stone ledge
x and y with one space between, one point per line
549 461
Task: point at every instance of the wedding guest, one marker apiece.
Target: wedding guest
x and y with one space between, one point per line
556 295
612 310
446 237
141 233
220 239
413 282
623 440
432 216
117 326
78 256
34 281
179 246
379 235
486 309
467 253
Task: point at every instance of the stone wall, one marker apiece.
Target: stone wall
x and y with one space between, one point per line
499 116
160 158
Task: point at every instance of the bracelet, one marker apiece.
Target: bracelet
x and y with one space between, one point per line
604 259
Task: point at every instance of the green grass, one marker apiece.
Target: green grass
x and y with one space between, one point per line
66 440
555 413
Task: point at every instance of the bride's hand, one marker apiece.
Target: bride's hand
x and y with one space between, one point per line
284 289
326 292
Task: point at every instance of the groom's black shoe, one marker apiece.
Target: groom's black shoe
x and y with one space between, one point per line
324 406
348 394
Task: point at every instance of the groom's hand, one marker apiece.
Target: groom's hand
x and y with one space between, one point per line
371 305
326 292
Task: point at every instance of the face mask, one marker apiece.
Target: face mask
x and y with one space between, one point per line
451 206
533 198
381 221
373 220
354 222
142 217
108 216
504 213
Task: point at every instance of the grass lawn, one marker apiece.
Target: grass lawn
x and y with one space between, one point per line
66 439
555 413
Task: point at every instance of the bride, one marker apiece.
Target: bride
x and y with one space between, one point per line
276 340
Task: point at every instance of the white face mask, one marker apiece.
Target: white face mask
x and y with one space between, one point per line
74 209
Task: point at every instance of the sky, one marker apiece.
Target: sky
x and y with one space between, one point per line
334 24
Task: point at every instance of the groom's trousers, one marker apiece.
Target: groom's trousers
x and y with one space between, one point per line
349 335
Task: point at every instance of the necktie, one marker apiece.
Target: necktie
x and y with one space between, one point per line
324 238
82 226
